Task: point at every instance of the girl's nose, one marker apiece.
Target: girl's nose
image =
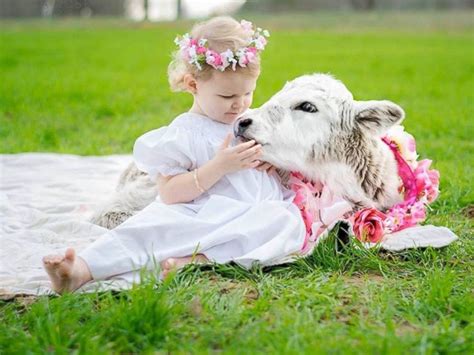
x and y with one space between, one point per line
238 103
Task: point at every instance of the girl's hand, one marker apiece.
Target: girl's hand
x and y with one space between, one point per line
242 156
269 168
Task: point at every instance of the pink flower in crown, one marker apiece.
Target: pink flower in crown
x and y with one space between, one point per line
213 58
201 50
250 56
241 57
252 50
427 181
201 46
369 225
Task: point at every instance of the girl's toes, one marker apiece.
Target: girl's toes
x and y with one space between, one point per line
170 264
52 259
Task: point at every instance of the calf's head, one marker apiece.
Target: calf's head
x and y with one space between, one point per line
306 119
314 120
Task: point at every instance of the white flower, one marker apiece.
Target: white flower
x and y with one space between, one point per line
260 43
246 25
228 59
192 52
405 143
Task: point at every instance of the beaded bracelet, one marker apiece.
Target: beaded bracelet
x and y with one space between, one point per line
196 181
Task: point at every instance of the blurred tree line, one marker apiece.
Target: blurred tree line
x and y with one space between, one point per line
308 5
36 8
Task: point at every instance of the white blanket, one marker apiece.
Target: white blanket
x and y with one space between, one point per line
45 203
47 199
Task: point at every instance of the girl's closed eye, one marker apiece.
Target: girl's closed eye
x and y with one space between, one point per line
231 96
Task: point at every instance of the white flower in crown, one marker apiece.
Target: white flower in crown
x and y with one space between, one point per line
246 55
184 41
192 57
228 59
246 25
241 57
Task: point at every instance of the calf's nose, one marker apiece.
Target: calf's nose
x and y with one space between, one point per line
243 124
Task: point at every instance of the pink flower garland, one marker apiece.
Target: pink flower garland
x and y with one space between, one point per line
305 198
420 187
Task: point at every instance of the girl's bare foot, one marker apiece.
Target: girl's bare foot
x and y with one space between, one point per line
68 272
173 264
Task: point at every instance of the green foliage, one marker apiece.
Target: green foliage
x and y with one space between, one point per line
92 89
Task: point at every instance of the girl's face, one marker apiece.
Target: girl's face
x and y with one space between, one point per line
225 96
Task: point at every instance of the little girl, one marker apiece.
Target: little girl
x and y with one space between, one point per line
213 204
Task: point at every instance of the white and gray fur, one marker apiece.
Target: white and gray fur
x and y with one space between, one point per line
313 125
133 193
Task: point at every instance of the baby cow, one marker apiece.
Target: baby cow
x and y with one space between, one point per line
314 126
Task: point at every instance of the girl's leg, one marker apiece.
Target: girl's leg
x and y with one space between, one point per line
144 240
69 272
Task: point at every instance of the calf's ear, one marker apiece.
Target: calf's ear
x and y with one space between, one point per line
377 116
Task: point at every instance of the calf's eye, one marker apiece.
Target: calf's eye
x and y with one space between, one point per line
306 107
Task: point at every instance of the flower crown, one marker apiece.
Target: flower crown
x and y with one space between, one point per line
198 53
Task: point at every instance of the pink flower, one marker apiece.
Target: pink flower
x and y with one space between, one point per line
404 215
213 58
304 198
201 50
369 225
427 181
252 50
417 212
250 56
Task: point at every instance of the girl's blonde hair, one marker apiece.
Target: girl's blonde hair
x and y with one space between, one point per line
222 33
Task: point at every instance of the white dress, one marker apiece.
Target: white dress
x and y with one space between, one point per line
246 217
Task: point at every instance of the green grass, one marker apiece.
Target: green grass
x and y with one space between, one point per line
93 87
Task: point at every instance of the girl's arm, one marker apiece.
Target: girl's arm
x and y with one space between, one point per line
182 188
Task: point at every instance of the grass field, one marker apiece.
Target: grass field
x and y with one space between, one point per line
93 87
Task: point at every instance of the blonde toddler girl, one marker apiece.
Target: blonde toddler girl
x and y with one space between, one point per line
216 200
